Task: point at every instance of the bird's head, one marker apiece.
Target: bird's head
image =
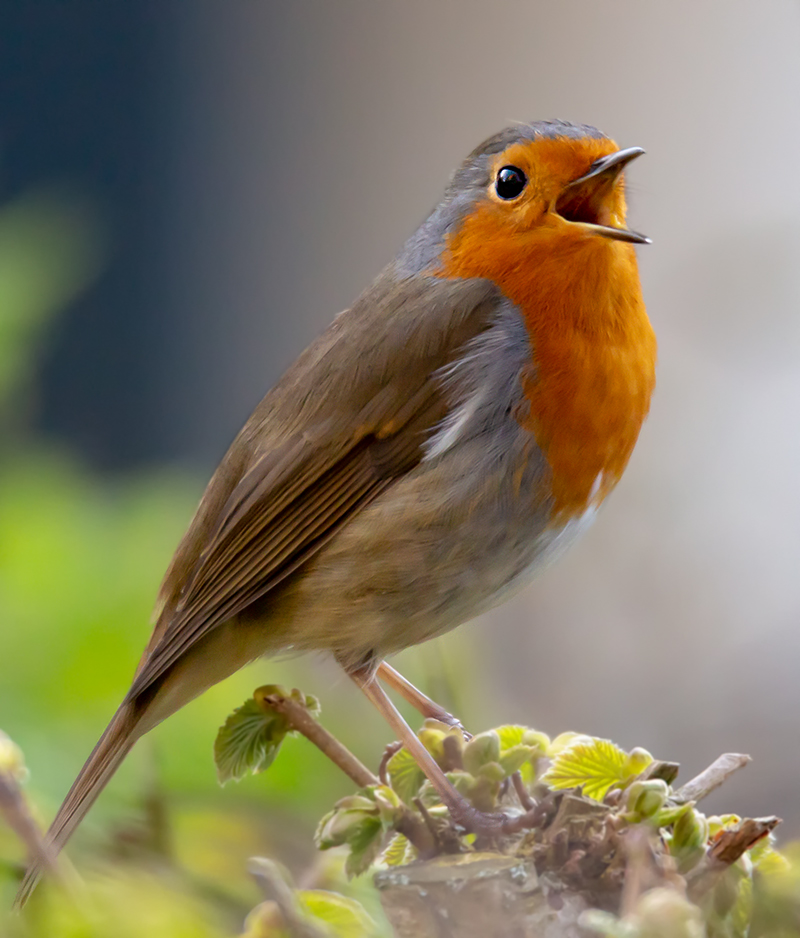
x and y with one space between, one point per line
547 185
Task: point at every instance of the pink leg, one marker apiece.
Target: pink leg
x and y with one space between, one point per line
460 809
419 701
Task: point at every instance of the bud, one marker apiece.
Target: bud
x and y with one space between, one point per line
390 808
647 798
430 724
483 748
717 823
483 793
339 825
638 760
462 782
12 763
269 690
493 771
690 831
355 803
310 702
537 741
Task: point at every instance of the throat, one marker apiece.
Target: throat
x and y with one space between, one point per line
589 384
592 375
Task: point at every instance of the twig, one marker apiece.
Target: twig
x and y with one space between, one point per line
726 849
17 815
539 816
522 792
666 771
730 844
301 720
383 769
276 889
431 827
711 778
419 834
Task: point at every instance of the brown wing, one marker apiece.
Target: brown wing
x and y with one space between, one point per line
349 417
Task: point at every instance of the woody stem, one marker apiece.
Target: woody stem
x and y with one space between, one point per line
301 720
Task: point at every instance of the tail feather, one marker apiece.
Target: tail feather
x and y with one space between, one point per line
115 743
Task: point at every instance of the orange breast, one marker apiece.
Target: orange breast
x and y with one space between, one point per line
594 350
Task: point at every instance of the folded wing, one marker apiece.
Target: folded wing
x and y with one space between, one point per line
350 417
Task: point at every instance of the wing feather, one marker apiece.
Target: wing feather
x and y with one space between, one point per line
327 440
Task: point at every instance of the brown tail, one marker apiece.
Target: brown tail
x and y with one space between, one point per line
113 746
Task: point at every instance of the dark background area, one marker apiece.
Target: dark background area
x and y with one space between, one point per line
83 85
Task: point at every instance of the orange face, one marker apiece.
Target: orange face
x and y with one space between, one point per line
550 166
552 252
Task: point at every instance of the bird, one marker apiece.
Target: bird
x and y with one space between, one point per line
446 437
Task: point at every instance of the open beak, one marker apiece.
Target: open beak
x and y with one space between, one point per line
584 200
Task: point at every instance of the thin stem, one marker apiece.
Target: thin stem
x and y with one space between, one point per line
383 769
522 792
301 720
14 809
420 806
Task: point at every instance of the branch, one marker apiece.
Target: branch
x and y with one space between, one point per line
301 720
711 778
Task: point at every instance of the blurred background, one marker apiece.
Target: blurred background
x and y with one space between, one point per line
189 191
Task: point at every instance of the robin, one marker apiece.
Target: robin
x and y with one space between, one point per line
441 442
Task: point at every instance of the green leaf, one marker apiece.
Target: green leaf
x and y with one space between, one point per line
365 840
596 764
361 822
248 741
741 914
565 741
390 808
514 758
405 775
345 917
766 859
537 745
338 826
399 852
510 736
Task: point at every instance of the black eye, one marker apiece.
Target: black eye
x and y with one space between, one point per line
510 182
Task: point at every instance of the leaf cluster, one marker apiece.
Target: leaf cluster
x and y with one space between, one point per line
582 805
